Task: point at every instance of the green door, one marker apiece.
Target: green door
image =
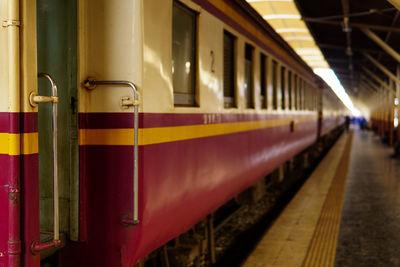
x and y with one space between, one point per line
57 56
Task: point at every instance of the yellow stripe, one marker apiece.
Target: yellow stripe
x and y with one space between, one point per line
323 244
11 143
148 136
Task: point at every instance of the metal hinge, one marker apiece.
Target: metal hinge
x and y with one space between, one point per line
10 22
127 102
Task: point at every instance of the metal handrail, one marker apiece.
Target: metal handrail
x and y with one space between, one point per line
90 84
34 100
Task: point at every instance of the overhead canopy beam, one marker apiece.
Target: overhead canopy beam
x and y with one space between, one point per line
376 78
381 43
382 68
395 3
354 25
371 84
389 34
367 89
340 47
347 30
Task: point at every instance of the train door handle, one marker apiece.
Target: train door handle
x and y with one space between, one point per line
91 84
34 100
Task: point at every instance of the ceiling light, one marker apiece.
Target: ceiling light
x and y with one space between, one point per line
298 38
331 79
282 16
308 51
254 1
282 30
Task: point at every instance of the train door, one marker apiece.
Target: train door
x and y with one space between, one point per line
57 57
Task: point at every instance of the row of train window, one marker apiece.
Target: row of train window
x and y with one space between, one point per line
300 95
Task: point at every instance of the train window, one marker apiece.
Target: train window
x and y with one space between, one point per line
315 98
311 96
283 87
184 55
229 70
295 88
274 84
306 96
290 89
263 80
248 76
301 94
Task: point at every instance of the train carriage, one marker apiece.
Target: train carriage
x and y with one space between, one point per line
165 111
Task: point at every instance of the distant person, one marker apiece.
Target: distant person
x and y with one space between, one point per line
347 123
396 148
364 124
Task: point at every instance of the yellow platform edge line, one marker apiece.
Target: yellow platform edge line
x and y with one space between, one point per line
322 248
15 144
148 136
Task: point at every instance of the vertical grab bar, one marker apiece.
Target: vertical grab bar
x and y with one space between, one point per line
34 100
90 84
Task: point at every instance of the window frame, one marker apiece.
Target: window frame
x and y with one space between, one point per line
249 104
274 83
289 89
232 99
194 84
283 83
296 87
263 81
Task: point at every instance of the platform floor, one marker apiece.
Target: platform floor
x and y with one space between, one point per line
346 214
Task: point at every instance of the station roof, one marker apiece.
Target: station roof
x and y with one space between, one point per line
332 33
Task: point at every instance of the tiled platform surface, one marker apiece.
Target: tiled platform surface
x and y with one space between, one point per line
370 227
369 232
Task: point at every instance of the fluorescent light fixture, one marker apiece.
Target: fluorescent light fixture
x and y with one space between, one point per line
304 45
308 51
282 16
298 38
313 58
318 64
254 1
331 79
283 30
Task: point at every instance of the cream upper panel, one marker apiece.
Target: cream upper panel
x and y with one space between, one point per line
157 80
110 48
157 53
157 84
3 60
28 54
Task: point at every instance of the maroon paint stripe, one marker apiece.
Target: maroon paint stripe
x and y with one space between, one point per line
83 178
151 120
18 122
30 225
222 16
4 122
30 122
106 120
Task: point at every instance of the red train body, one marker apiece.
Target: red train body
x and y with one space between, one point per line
191 160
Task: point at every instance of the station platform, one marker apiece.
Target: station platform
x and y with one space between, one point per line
346 214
